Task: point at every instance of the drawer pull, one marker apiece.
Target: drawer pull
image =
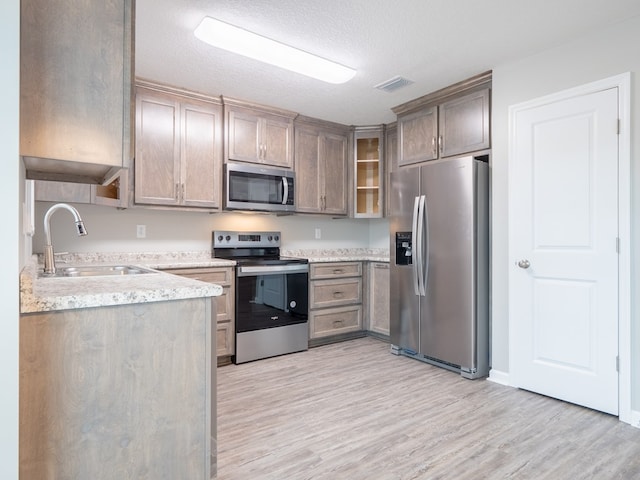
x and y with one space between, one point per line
338 270
338 323
338 295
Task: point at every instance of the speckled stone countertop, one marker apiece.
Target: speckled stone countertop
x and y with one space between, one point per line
62 293
49 294
340 255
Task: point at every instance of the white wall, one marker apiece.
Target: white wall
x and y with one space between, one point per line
112 230
601 54
10 240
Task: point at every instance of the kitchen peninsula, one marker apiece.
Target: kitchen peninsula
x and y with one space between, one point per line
116 377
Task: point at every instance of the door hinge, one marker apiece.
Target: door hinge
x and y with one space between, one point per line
617 363
618 126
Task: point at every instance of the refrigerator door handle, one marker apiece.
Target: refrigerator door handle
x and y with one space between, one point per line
425 222
421 244
414 249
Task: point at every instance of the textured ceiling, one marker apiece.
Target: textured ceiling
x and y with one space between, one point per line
432 42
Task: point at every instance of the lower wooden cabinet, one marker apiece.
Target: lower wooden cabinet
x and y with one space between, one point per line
225 305
335 298
378 298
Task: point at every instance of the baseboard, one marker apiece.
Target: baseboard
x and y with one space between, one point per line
497 376
635 418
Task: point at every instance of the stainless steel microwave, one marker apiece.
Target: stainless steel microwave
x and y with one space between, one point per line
252 187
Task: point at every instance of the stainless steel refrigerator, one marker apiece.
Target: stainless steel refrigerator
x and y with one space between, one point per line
439 223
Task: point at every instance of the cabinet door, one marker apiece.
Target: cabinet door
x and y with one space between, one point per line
391 162
307 188
157 163
243 136
464 124
334 172
417 136
277 142
75 87
201 128
379 298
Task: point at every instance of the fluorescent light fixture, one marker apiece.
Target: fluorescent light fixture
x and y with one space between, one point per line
243 42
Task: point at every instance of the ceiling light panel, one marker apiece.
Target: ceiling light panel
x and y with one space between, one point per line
243 42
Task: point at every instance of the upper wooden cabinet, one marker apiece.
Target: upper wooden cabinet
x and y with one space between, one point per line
178 148
368 172
258 134
76 68
321 167
390 159
448 122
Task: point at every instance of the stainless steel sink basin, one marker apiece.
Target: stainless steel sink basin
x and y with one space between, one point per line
97 271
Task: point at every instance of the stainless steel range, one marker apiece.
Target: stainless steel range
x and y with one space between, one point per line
271 293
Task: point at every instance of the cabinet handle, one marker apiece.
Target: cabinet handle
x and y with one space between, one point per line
338 323
433 146
338 294
338 270
440 143
177 192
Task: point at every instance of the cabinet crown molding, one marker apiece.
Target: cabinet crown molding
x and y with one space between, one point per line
177 91
482 80
236 102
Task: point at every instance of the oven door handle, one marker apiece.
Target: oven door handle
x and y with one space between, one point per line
246 271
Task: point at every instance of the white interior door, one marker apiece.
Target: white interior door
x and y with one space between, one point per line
563 222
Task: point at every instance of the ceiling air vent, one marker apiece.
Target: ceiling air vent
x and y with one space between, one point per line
393 84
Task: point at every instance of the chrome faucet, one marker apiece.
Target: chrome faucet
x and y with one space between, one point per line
49 259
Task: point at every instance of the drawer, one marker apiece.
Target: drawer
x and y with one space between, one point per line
333 321
331 293
335 270
221 276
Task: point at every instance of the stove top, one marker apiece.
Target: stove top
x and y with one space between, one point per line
251 248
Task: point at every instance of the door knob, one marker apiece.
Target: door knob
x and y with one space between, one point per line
524 263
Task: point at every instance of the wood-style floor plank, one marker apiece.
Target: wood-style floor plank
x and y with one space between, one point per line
354 411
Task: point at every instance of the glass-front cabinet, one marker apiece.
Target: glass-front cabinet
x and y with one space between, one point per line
368 172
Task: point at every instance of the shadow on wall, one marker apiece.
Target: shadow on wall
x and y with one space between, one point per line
112 230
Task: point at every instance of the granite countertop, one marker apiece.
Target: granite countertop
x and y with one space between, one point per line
42 294
341 255
49 294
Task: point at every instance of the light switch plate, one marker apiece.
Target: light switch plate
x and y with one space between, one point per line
141 231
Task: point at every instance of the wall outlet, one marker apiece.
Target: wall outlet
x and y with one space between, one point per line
318 234
141 231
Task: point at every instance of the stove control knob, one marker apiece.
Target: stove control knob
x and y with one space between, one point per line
220 238
292 304
277 238
270 238
227 238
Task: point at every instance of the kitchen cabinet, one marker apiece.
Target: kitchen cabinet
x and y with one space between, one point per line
225 305
335 298
115 194
449 122
368 172
378 298
126 391
178 148
321 167
258 134
390 159
76 67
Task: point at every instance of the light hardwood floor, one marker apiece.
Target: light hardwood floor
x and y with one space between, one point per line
354 411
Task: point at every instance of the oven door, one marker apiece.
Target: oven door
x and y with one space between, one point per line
271 296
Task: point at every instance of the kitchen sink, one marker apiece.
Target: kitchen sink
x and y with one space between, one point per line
97 271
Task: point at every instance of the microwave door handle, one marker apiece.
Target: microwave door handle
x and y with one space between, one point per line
285 190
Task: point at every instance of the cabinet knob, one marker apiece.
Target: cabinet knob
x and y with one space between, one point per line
524 263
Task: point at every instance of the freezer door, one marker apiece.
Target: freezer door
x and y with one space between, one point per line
404 303
447 330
